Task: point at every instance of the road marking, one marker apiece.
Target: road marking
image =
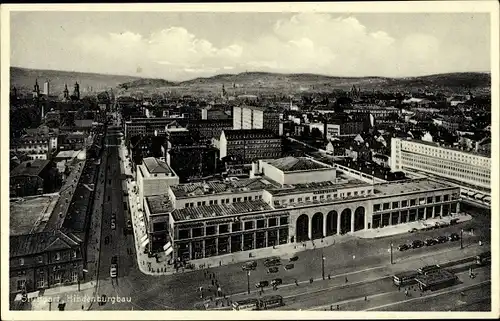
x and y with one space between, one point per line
430 295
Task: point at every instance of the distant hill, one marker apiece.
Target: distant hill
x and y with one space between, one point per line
24 80
148 83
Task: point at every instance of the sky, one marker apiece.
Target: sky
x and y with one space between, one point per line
179 46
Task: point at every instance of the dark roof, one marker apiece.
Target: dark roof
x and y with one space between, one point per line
156 166
30 244
219 210
30 168
290 164
247 134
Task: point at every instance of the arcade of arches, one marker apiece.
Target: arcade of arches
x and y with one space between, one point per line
320 225
333 223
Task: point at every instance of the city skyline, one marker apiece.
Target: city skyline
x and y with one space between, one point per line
139 43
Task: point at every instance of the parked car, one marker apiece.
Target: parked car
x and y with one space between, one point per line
454 237
129 224
416 244
262 284
113 224
412 230
430 242
273 269
276 282
294 258
404 247
289 267
441 239
272 262
249 266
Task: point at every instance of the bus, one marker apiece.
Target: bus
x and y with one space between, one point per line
404 278
428 269
269 302
483 258
246 305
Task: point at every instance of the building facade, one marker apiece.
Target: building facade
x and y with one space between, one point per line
36 146
469 168
210 128
33 178
43 260
149 126
287 201
251 117
247 145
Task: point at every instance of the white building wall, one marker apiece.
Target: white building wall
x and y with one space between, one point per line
258 119
237 111
304 177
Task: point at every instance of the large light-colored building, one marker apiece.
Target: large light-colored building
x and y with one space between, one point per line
470 170
251 117
154 176
289 200
36 146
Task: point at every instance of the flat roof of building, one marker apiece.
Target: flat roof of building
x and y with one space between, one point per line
423 142
341 183
221 187
27 213
408 186
213 211
67 154
292 164
159 204
156 166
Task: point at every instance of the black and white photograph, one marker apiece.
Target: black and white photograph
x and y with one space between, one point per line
309 159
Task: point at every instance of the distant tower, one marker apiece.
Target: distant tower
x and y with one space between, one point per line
46 88
66 92
223 93
36 90
76 91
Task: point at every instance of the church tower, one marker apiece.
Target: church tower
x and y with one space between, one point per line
76 91
36 90
66 92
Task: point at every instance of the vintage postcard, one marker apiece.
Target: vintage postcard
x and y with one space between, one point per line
265 160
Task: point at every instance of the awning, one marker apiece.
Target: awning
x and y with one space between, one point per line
170 250
167 246
144 243
144 237
31 296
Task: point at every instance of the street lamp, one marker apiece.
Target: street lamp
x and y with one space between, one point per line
248 281
323 266
392 261
461 239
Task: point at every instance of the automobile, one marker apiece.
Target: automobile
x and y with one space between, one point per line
289 267
262 284
412 230
404 247
294 258
454 237
249 266
430 242
114 260
441 239
113 270
277 281
113 224
416 244
273 269
272 262
113 216
129 224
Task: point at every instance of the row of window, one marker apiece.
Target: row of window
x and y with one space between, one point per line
57 257
235 227
224 201
413 202
447 154
323 197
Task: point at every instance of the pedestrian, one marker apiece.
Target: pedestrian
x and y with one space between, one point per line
311 280
331 307
346 280
406 292
329 277
338 307
213 283
82 306
366 299
220 263
296 282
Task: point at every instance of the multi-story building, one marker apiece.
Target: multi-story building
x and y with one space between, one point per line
210 128
43 260
252 117
149 126
71 141
378 112
153 177
33 177
289 200
349 128
248 145
36 146
471 171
